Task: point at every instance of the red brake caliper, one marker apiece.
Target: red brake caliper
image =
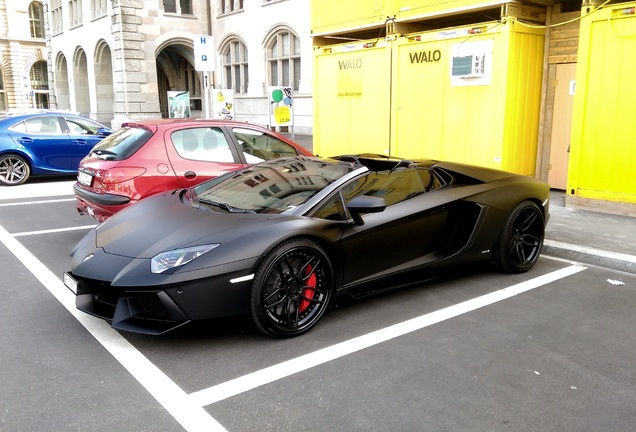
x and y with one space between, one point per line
308 292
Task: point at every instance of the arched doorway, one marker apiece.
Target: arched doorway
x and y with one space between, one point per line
104 83
175 72
40 84
62 95
80 76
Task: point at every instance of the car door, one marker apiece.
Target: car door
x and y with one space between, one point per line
403 236
198 154
44 140
83 136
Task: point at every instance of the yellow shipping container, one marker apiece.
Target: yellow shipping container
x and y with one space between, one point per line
603 140
337 16
329 17
352 99
467 94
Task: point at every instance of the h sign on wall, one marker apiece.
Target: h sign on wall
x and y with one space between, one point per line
203 53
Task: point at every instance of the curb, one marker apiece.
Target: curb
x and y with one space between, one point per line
588 255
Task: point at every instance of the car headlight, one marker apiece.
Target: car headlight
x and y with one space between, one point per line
178 257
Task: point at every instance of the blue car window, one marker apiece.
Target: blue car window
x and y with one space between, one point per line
43 125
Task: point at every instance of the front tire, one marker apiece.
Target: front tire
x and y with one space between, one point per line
14 170
292 288
521 240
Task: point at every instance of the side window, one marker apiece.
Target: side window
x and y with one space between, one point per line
259 146
394 186
429 179
202 144
79 126
332 209
43 125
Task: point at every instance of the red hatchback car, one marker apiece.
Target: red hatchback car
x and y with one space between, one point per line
147 157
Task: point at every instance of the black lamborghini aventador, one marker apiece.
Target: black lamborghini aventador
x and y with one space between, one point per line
278 240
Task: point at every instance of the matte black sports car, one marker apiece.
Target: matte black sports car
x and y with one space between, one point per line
278 240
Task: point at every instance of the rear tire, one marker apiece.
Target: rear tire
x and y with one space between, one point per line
292 289
521 240
14 170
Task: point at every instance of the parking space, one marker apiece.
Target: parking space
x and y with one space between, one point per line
478 351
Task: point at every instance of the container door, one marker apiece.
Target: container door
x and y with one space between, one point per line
561 125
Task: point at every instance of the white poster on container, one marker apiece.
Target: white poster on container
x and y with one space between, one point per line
281 106
223 104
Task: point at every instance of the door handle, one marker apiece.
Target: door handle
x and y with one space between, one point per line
190 175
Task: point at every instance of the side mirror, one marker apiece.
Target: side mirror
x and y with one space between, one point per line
365 204
103 132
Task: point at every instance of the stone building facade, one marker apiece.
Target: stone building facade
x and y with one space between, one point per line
117 60
23 67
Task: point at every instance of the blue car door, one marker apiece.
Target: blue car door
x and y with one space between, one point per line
83 134
46 143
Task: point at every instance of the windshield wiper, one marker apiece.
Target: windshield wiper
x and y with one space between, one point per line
225 206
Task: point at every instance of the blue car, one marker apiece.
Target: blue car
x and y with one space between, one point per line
44 142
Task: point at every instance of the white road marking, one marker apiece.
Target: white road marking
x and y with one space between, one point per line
30 190
54 230
282 370
193 418
36 202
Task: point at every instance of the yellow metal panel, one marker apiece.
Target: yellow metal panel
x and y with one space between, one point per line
352 99
523 98
490 121
337 16
603 147
413 9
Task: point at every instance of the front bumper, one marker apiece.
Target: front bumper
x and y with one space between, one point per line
159 310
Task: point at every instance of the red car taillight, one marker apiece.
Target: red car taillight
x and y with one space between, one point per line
121 174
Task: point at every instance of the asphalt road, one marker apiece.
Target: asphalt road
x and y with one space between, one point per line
549 350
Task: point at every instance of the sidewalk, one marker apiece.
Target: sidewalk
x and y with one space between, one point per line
590 237
580 235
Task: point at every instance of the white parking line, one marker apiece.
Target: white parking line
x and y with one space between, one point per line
188 409
55 230
264 376
30 190
36 202
193 418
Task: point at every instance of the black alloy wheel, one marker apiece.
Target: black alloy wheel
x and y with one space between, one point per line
14 170
292 289
521 240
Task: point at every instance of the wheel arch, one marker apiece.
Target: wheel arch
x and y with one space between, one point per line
328 246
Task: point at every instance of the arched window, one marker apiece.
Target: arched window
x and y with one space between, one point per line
36 20
234 57
283 60
40 84
3 94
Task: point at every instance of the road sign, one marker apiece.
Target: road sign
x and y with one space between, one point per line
203 53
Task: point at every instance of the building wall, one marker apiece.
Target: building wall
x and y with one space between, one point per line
18 52
258 21
106 67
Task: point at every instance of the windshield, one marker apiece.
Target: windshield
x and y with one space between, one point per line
270 187
121 144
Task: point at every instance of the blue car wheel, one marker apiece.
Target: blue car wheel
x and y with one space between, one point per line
14 170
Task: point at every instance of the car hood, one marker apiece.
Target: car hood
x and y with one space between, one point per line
162 223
